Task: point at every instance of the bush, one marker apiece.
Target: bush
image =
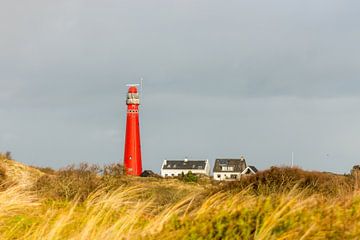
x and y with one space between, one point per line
113 170
113 175
189 177
70 182
78 182
5 156
277 180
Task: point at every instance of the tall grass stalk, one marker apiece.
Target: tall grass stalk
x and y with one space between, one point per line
171 209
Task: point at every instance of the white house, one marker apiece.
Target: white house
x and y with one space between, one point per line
174 168
231 169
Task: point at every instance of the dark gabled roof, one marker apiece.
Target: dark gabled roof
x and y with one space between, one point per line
249 170
185 164
254 169
229 165
149 173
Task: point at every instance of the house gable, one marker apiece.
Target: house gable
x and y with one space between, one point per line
249 170
230 165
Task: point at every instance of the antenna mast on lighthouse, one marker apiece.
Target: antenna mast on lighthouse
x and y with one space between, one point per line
132 152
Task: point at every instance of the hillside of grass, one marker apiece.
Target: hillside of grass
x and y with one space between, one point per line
89 202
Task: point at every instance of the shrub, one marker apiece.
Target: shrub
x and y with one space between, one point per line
78 182
5 156
189 177
113 175
113 170
70 182
277 180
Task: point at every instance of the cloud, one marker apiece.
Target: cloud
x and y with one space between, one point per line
258 78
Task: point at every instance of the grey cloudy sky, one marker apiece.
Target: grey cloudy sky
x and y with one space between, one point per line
221 79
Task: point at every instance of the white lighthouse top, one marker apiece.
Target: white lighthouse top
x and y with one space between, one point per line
133 95
132 85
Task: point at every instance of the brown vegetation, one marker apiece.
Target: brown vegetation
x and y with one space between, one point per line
69 182
276 179
88 202
5 156
17 173
2 173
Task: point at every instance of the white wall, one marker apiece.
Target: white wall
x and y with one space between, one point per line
226 176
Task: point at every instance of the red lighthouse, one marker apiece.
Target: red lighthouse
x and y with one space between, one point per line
132 153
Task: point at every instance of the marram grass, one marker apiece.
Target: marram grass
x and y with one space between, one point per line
132 212
77 203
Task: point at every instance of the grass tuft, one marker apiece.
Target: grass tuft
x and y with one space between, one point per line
88 202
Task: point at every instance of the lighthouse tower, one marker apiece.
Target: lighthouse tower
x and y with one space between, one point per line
132 153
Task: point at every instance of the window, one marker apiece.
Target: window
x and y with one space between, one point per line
219 176
166 175
172 175
233 176
230 169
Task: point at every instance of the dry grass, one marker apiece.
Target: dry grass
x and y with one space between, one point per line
2 173
2 168
17 173
134 213
276 180
276 204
